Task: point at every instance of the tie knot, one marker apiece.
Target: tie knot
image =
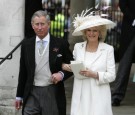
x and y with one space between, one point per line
41 41
41 47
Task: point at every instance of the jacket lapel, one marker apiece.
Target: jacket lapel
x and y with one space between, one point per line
53 49
31 53
83 51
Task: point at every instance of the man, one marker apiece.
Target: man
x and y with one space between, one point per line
40 83
126 50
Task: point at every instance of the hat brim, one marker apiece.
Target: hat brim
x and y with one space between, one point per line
93 23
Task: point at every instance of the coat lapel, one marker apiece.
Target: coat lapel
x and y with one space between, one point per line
83 51
53 50
31 53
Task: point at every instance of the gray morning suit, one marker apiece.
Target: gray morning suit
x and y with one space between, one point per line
27 69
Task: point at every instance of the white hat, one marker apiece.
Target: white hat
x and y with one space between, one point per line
83 21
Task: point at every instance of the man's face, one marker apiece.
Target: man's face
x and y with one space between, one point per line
41 26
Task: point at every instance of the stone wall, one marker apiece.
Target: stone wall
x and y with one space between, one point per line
11 33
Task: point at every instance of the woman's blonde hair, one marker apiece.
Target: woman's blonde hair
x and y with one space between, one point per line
102 33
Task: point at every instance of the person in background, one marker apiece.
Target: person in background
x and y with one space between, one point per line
91 94
40 89
126 49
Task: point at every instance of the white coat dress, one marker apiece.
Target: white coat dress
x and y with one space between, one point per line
91 96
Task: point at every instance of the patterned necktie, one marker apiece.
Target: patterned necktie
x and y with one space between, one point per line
41 47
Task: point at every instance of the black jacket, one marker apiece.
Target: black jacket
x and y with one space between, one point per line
27 68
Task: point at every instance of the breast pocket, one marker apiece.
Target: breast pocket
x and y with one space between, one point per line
59 60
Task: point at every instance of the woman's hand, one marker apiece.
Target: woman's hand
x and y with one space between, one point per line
89 73
66 67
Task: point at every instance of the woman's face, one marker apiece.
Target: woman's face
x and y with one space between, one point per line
92 34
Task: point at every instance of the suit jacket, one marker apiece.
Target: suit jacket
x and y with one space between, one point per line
127 30
104 60
27 68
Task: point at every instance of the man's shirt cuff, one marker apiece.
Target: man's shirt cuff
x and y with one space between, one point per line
62 75
18 98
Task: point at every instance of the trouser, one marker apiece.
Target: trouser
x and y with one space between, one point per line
42 101
123 73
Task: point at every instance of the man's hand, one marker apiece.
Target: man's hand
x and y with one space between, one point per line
18 104
56 77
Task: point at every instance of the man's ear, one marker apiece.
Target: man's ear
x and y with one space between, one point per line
32 25
49 23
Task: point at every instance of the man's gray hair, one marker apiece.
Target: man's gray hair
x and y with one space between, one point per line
39 14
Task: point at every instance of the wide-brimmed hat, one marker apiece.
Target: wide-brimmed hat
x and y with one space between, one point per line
85 20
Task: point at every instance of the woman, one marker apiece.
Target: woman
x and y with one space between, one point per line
91 95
